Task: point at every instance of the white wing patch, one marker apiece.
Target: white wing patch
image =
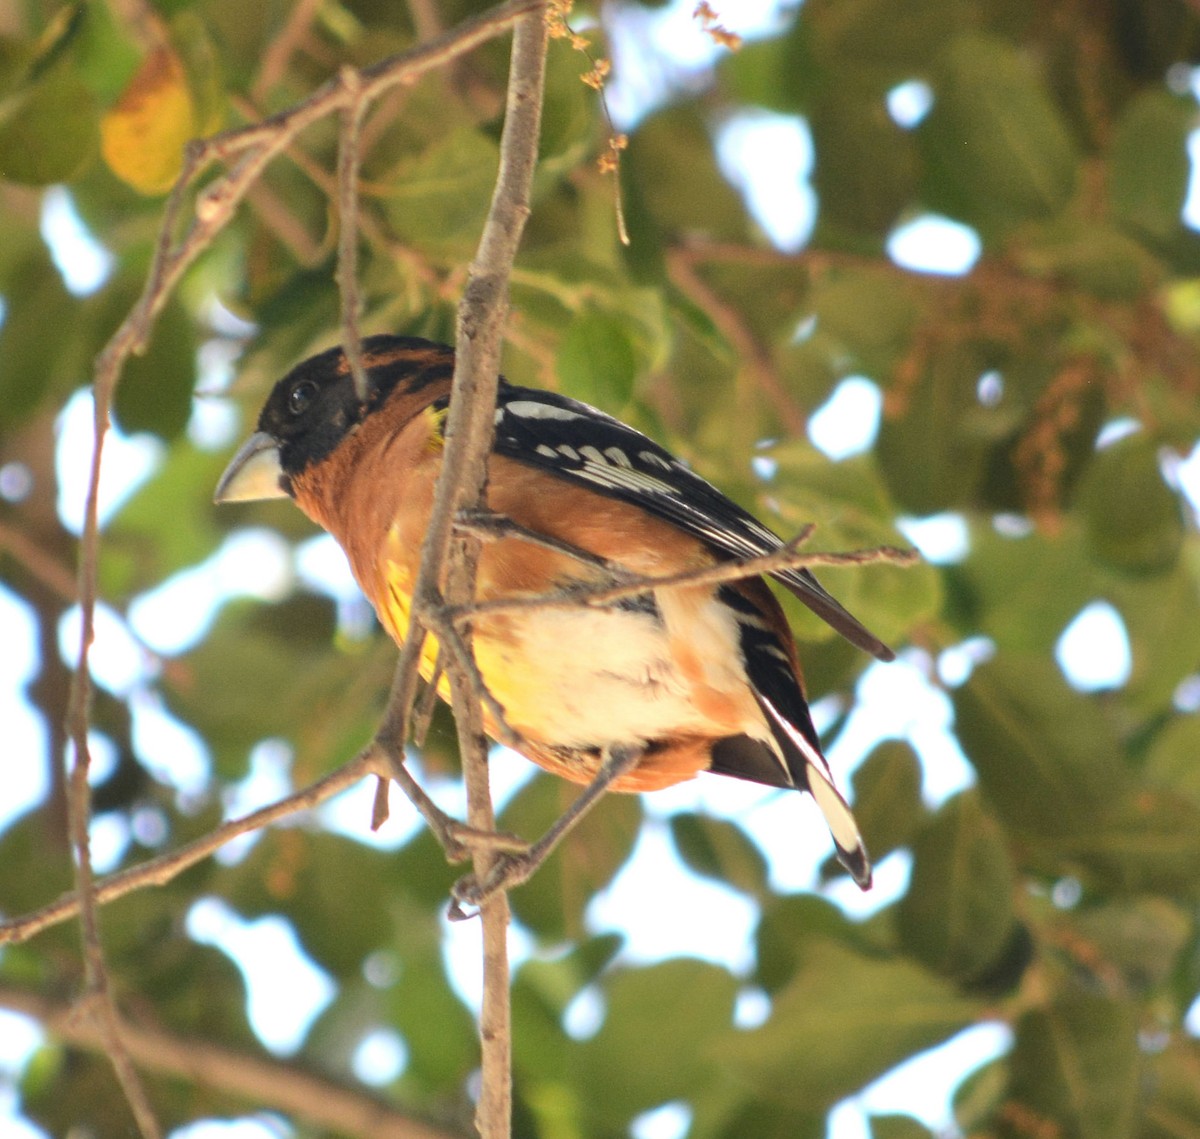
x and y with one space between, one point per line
532 409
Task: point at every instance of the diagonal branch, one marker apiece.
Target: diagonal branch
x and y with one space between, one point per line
267 1083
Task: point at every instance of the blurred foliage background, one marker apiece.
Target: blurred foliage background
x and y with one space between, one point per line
1043 401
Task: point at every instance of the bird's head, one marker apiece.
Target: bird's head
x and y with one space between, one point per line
315 407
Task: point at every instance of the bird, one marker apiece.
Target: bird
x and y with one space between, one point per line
647 690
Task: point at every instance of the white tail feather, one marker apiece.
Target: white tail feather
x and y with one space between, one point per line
838 816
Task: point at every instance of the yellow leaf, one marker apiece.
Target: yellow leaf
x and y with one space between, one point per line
143 135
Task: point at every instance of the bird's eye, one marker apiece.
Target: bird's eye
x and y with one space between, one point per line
301 396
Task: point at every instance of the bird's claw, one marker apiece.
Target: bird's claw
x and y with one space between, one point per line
508 870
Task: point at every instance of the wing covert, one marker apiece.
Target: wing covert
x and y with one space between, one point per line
581 443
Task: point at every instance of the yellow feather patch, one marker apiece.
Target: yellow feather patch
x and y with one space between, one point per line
396 614
436 418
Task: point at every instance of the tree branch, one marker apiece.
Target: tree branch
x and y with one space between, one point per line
261 1081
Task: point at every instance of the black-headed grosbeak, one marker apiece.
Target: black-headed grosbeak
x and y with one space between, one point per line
679 680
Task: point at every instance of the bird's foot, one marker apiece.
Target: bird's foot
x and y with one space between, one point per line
510 869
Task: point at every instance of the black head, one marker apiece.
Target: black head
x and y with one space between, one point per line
314 407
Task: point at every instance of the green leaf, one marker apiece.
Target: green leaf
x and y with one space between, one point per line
958 914
866 169
788 930
1171 763
928 457
1096 257
1134 520
850 1018
1149 167
1141 937
775 72
1048 764
267 672
140 552
862 319
875 44
898 1127
996 149
48 131
155 390
1075 1064
642 1057
887 797
720 849
1162 620
440 197
1172 1110
35 366
671 161
596 361
1000 589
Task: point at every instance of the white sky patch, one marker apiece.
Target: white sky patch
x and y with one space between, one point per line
908 103
689 916
175 616
20 1035
898 701
83 262
380 1058
1094 651
116 659
846 424
253 562
108 839
1190 215
1187 475
256 562
671 1121
322 565
26 783
937 1073
266 781
1191 1022
173 751
129 460
934 244
769 158
942 539
658 52
462 952
285 989
266 1127
955 664
584 1014
888 884
1115 430
752 1007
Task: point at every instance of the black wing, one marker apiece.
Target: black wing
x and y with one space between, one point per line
580 443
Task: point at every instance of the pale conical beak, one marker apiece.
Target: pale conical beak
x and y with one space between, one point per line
253 473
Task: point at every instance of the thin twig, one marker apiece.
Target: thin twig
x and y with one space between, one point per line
786 557
283 47
97 998
265 1083
347 270
166 867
